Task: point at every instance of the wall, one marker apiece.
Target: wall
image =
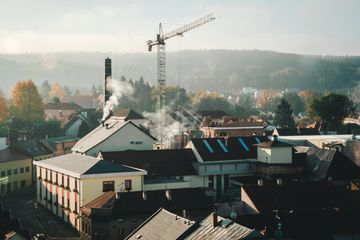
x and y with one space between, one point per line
188 182
281 155
91 188
124 139
15 180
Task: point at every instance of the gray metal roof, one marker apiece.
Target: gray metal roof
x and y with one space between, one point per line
101 133
77 165
162 225
226 229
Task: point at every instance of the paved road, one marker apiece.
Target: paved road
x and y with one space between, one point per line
22 206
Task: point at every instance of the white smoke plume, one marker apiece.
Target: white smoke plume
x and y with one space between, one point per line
162 129
118 89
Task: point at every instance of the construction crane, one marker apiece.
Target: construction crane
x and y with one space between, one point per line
161 59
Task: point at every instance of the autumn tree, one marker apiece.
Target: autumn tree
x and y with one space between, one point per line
264 99
56 91
4 108
44 90
26 102
331 108
283 115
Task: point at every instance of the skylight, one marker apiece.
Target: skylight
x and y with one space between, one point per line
243 144
222 145
208 146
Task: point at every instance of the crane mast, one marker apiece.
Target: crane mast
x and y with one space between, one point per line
161 56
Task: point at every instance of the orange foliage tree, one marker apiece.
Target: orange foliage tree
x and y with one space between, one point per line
4 108
26 102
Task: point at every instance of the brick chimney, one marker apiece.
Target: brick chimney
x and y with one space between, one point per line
214 218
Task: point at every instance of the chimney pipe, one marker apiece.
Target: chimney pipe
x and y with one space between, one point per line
261 182
275 138
117 195
214 218
279 181
108 73
168 195
144 195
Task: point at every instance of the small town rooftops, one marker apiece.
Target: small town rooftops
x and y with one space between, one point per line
158 163
102 132
82 166
148 202
225 229
233 148
162 225
7 155
31 147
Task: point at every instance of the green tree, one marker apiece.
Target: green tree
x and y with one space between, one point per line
26 102
176 96
283 115
4 108
331 108
45 88
296 102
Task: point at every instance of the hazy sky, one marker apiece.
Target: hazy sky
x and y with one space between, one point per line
297 26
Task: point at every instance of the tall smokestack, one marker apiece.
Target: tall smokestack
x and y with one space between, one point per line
108 74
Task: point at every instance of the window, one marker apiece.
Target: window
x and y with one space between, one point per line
9 172
2 190
68 182
23 183
15 185
22 170
8 187
128 184
108 186
68 203
62 180
3 173
27 169
56 178
15 171
63 201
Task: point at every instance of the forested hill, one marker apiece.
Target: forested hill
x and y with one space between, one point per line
221 70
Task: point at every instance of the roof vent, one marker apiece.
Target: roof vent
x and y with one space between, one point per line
144 195
117 195
260 182
168 195
279 181
214 218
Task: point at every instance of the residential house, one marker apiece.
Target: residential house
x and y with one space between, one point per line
114 135
221 159
72 127
35 149
60 145
131 115
62 112
232 127
166 169
68 182
15 170
115 215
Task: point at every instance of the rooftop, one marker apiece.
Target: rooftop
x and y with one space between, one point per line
77 165
31 147
150 201
62 106
158 163
7 155
128 114
296 131
162 225
226 229
101 133
272 144
234 148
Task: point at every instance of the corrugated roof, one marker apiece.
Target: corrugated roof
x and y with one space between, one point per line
233 231
77 165
101 133
162 225
237 148
159 163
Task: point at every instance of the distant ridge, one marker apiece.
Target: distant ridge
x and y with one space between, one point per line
220 70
